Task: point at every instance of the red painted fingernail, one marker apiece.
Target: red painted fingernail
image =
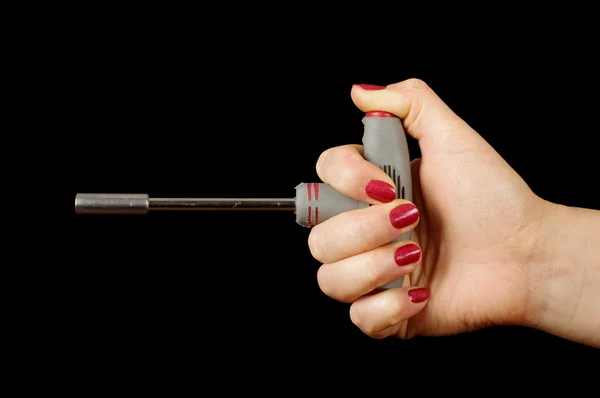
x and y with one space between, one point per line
404 215
418 295
370 87
407 254
381 191
380 114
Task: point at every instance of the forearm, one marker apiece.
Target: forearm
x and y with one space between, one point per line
564 275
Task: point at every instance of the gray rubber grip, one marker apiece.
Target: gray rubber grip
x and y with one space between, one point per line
386 146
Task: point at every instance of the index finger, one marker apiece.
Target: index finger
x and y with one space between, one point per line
346 170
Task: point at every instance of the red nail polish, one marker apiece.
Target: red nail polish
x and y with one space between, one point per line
407 254
380 114
381 191
370 87
418 295
404 215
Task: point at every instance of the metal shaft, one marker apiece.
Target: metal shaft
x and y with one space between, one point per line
90 203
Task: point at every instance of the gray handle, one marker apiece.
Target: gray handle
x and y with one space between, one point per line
386 146
316 202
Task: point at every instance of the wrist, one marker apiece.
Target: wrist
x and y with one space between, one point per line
563 273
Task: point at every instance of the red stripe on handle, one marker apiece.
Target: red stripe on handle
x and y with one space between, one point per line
316 185
316 215
308 223
308 190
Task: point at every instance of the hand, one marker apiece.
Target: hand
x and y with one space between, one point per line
475 224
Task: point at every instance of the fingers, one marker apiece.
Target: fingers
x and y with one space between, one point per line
347 280
379 315
361 230
422 111
345 169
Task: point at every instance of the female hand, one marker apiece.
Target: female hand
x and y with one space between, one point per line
476 229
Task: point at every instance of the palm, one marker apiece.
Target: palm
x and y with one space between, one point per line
473 220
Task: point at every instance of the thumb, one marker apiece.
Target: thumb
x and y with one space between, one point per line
424 114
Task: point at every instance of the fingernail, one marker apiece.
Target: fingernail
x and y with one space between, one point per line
370 87
379 114
381 191
404 215
418 295
407 254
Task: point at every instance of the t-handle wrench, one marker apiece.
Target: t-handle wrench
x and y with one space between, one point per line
385 145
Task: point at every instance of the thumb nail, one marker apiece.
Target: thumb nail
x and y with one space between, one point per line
370 87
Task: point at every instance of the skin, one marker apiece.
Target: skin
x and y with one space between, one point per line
492 252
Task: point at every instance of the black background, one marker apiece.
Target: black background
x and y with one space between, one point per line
184 105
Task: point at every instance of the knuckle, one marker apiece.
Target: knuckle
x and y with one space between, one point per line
379 335
359 319
394 308
323 280
337 160
328 285
358 227
361 227
373 277
347 173
343 297
315 244
356 317
416 84
321 160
